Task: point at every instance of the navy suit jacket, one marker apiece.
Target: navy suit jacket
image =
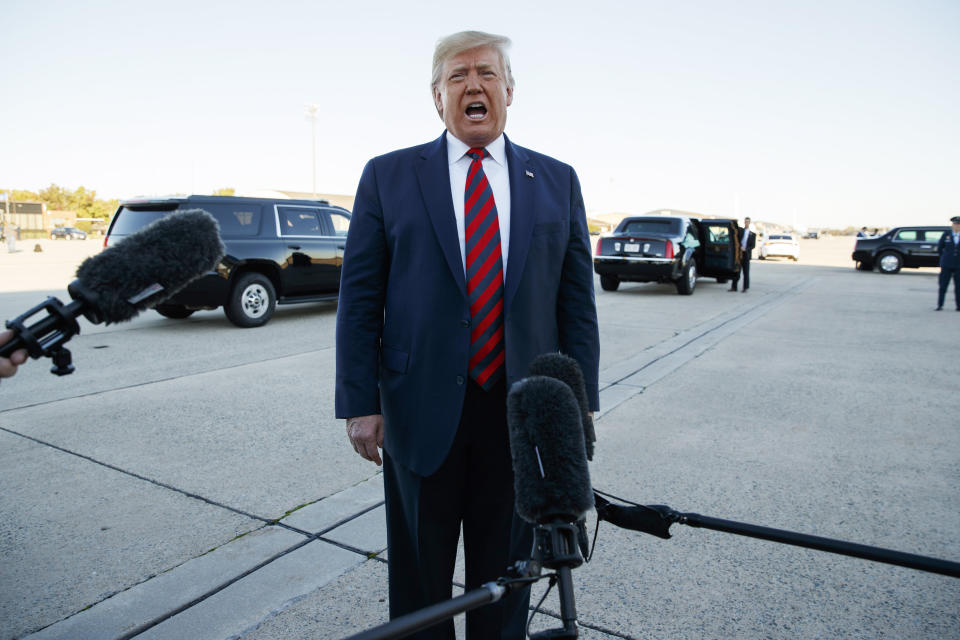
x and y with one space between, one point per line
403 320
949 256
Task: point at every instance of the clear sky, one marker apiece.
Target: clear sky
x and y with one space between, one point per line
823 112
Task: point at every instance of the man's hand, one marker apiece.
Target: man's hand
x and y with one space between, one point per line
366 436
8 366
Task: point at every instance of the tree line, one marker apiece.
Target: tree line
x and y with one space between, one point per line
83 201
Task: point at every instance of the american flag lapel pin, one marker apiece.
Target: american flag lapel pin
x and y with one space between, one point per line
529 173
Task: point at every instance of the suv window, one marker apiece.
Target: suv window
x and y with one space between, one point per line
295 221
932 236
234 219
129 220
907 235
341 223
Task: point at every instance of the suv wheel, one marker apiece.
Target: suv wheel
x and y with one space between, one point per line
890 262
175 311
609 283
688 280
252 301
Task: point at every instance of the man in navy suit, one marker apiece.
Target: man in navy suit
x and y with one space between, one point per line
949 250
425 355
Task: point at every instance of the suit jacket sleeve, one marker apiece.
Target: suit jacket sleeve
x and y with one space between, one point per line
576 304
363 283
942 243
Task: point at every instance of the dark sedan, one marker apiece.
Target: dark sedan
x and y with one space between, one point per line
900 247
70 233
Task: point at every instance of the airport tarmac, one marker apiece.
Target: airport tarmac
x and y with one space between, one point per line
189 480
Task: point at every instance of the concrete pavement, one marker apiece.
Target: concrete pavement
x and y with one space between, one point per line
190 481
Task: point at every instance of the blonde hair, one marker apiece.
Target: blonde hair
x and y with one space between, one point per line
464 41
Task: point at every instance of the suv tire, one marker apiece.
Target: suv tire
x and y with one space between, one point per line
688 279
889 262
174 311
609 283
252 301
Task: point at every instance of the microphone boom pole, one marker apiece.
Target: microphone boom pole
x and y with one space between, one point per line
866 552
429 616
657 519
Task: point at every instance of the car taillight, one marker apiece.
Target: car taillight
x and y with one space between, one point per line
669 251
599 245
104 242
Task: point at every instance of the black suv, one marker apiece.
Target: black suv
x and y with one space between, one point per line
899 247
667 249
277 252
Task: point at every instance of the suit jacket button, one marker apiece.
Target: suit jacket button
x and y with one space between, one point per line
459 379
464 323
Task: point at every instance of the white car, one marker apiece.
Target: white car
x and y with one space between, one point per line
780 244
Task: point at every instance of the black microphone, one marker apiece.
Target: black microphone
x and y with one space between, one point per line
137 273
551 478
567 370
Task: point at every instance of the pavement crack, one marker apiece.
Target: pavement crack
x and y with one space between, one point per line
132 474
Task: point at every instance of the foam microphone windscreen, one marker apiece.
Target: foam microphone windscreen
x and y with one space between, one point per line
147 267
551 476
567 370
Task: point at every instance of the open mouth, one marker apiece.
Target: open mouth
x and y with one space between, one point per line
476 111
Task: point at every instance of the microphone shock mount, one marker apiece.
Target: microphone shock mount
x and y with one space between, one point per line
47 337
555 547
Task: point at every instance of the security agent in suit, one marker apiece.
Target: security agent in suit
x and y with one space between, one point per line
747 240
949 250
404 324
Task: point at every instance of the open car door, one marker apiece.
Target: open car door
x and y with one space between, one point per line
720 257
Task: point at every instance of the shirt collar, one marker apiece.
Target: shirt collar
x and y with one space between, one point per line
456 149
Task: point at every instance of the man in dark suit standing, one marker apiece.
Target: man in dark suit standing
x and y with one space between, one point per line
466 258
949 250
748 240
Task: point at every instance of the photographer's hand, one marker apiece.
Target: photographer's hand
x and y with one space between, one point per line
8 366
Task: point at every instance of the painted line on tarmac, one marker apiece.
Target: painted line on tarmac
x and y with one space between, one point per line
628 378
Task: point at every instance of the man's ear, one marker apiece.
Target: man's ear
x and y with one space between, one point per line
438 102
509 96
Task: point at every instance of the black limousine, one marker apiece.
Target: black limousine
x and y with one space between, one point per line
900 247
668 249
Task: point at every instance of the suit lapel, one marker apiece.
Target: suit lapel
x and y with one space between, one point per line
433 173
522 216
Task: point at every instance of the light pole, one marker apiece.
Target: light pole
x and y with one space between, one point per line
312 115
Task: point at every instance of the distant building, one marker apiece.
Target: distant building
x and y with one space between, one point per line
30 217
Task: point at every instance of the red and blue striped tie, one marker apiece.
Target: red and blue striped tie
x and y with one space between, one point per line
484 275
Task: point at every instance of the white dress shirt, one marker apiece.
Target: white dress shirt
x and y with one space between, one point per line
746 236
495 168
